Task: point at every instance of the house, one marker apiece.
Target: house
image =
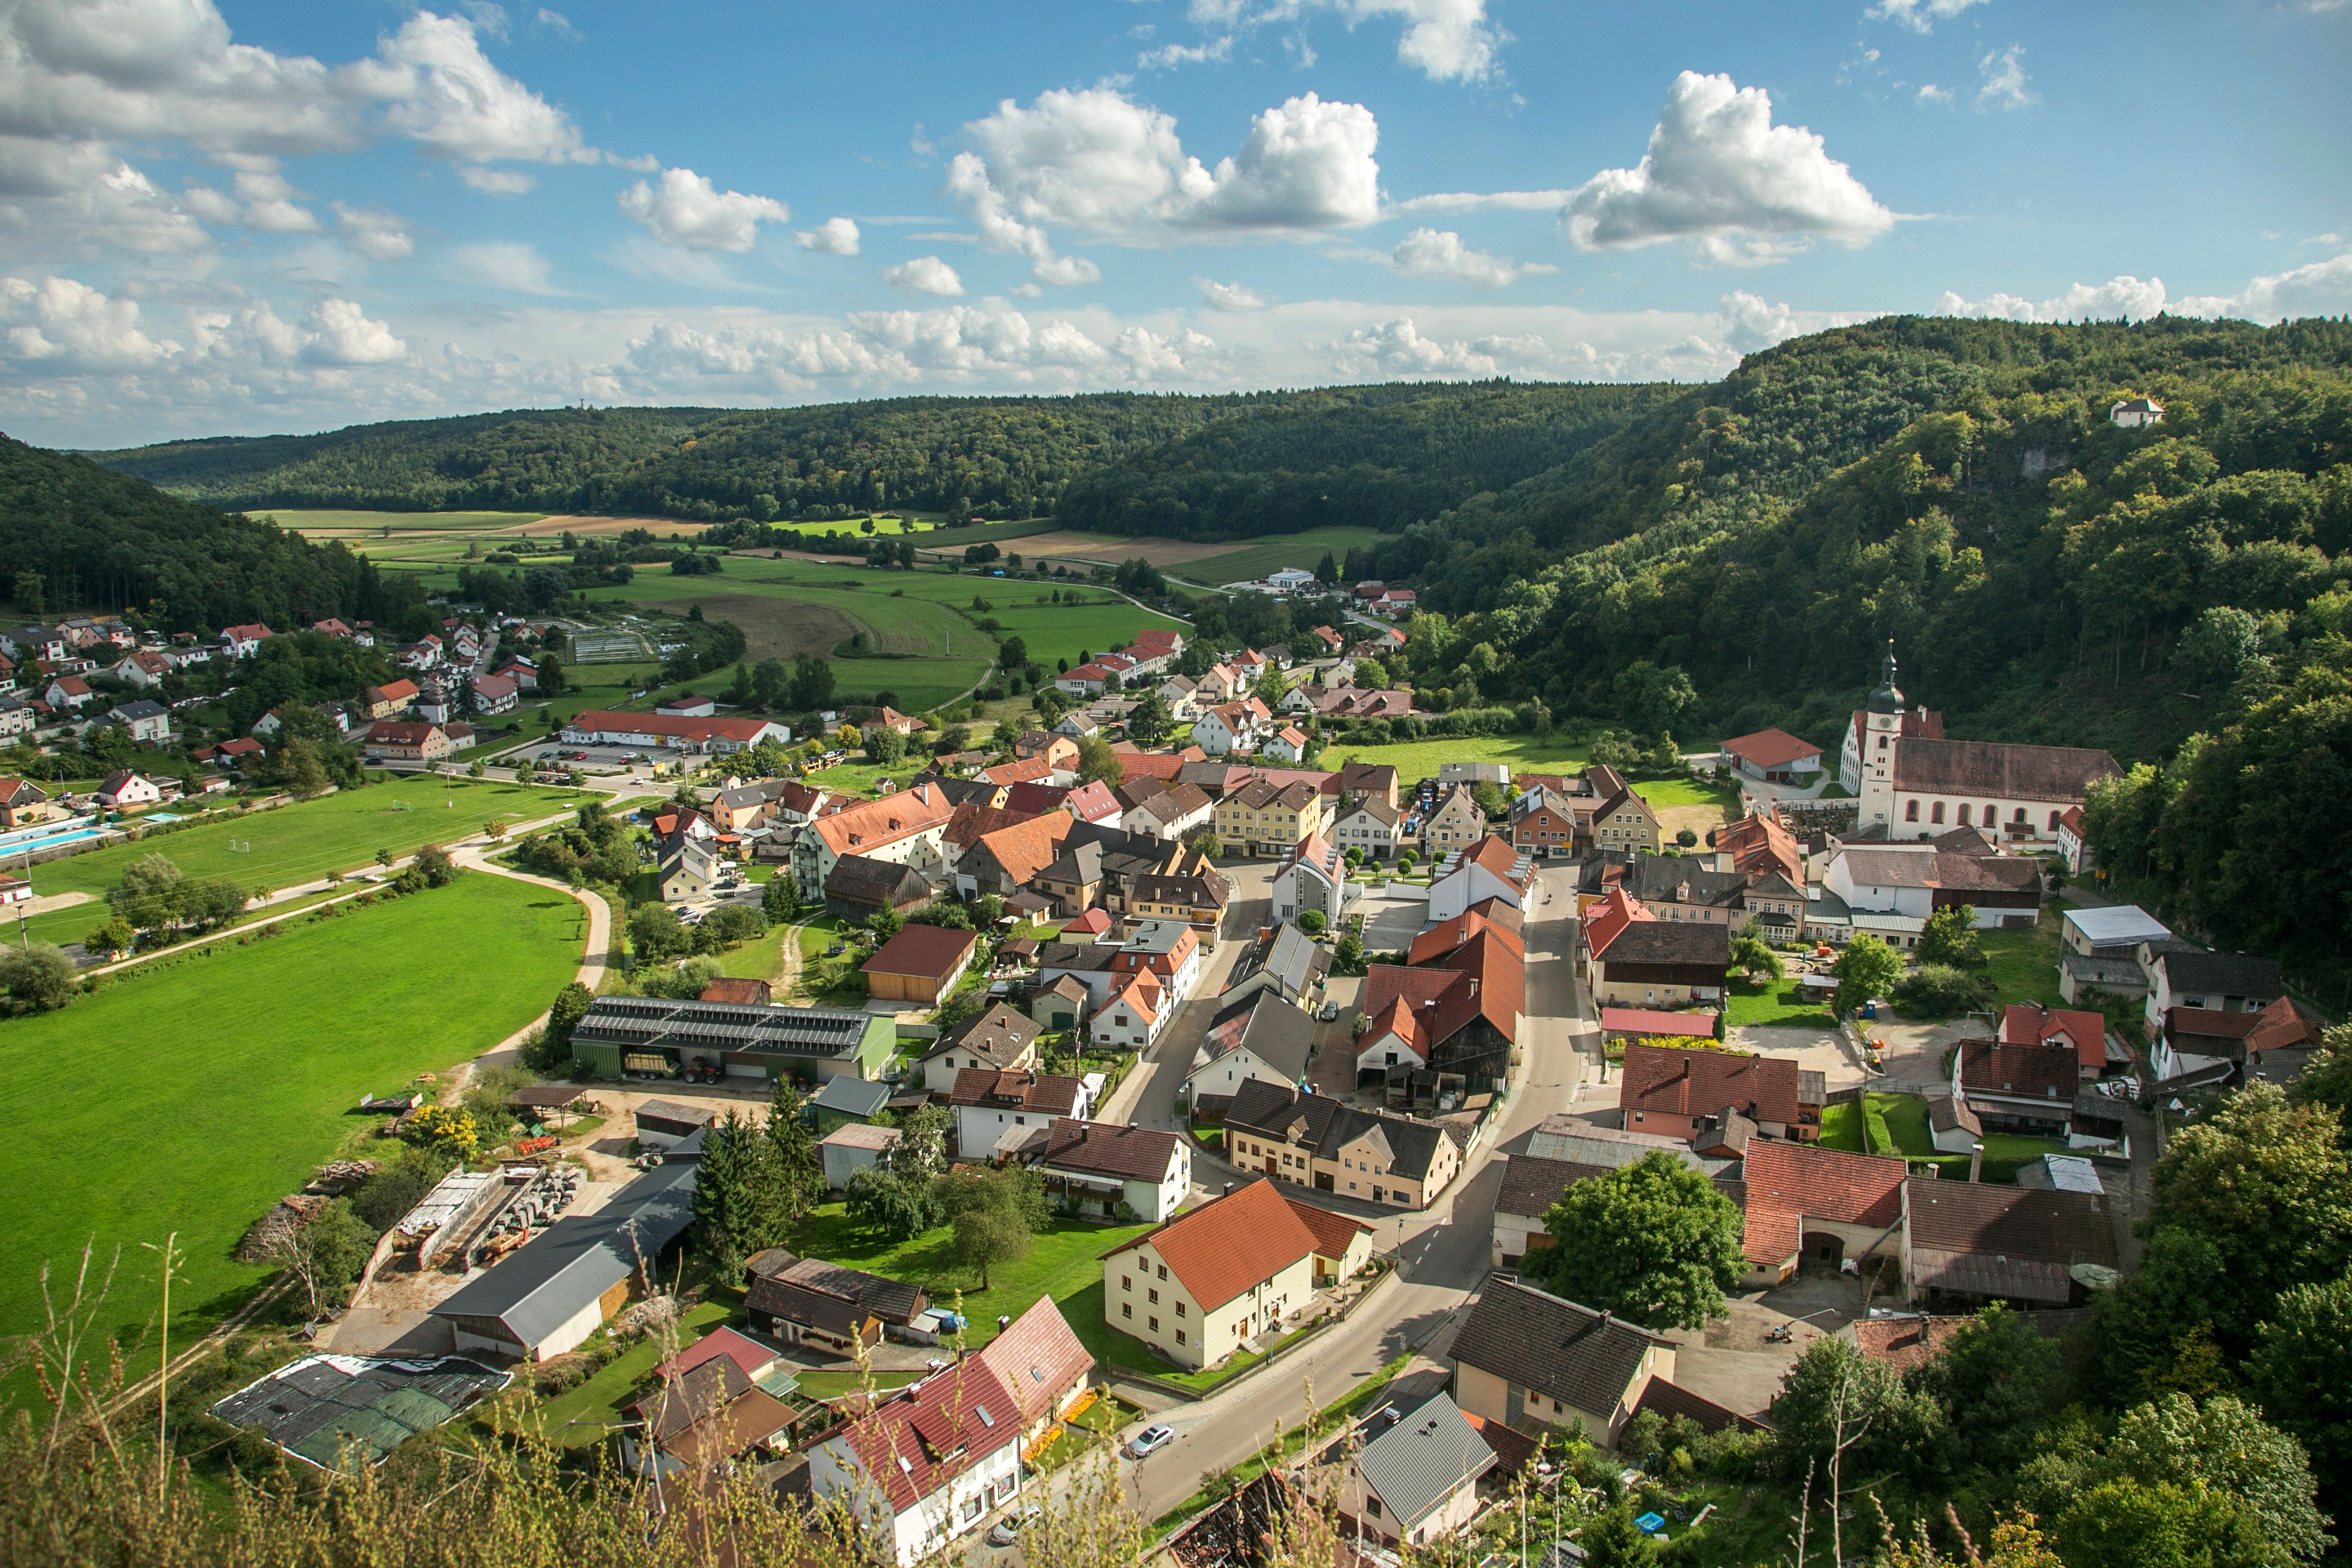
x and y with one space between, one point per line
888 717
67 692
1314 1141
844 1099
399 740
2083 1036
1891 889
150 723
564 1283
2135 413
684 732
1452 822
738 808
802 1300
389 700
744 991
1540 1363
144 667
237 642
1167 812
990 1103
1805 1204
1313 877
1287 745
1415 1478
1042 1364
1061 1005
687 705
860 887
522 672
1912 785
1490 868
1198 897
1139 1007
1259 1039
1263 817
1675 1092
1127 1170
2109 931
1967 1244
495 694
852 1147
1757 847
1542 825
21 802
1774 756
1091 803
1373 825
1454 1008
2182 976
2073 849
1059 752
704 1409
920 965
237 753
2241 1037
1531 1184
1282 960
123 788
1028 770
1230 726
1633 959
1006 859
907 826
1625 821
687 868
996 1040
1202 1285
652 1036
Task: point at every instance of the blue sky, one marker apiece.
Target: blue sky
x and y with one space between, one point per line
244 216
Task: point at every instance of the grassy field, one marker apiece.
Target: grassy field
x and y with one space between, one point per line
190 1096
589 1414
343 523
301 842
1304 551
1774 1003
1416 760
1905 1116
2024 964
1688 791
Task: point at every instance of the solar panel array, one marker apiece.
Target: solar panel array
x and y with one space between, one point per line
336 1410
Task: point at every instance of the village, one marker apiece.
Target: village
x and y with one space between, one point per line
1116 1092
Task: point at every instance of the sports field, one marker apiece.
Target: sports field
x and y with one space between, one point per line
190 1097
298 843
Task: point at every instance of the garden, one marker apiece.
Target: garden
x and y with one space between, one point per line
1896 1124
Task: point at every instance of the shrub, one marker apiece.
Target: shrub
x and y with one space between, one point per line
1938 989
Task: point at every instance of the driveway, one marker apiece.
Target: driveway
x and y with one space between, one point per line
1147 1098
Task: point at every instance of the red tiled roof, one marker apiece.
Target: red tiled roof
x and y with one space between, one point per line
930 953
1093 922
1494 853
1229 1243
1025 771
2282 1025
1091 802
1640 1021
2031 1023
678 725
1609 917
1027 847
1039 1359
869 825
1757 845
1685 1083
1771 747
1443 938
971 823
1055 1094
1333 1233
2033 1071
905 1442
1786 1182
742 1349
1035 795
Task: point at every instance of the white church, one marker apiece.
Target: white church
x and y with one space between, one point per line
1914 784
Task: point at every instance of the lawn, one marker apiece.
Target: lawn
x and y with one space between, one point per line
1417 760
1064 1262
1777 1001
587 1415
300 843
191 1095
1688 791
1304 551
2024 964
340 521
1906 1119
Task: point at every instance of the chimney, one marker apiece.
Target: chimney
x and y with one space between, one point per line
1975 1163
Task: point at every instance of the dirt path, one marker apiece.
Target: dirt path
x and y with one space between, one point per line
788 974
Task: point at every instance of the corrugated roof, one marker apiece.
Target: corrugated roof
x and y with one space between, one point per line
1421 1457
548 1281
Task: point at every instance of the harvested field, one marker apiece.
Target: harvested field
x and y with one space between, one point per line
1118 547
778 627
606 527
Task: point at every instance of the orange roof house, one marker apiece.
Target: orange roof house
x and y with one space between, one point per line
1803 1199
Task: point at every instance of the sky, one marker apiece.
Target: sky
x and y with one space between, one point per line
248 217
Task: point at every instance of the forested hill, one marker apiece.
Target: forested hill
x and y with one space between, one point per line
74 535
1953 485
1389 455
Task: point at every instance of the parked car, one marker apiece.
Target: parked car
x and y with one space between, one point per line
1329 1011
1007 1531
1151 1440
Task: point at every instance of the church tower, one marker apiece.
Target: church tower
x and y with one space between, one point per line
1883 715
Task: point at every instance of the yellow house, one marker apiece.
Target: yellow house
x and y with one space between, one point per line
1454 822
1265 818
1535 1362
1625 821
1198 1288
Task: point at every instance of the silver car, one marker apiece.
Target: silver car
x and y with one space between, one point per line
1150 1440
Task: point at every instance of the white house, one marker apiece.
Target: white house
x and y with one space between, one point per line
144 668
1373 825
66 691
1287 744
1260 1038
149 721
1102 1162
122 789
1230 726
1290 580
1138 1008
993 1104
1491 871
929 1463
1313 877
237 642
2135 413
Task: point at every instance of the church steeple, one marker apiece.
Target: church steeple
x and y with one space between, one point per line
1889 697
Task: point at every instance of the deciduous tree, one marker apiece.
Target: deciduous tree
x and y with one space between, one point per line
1655 1243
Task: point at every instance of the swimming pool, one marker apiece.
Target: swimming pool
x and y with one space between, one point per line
161 816
72 831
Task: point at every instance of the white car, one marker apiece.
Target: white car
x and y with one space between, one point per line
1152 1439
1007 1531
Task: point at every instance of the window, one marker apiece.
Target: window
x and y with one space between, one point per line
1126 1309
1155 1297
972 1507
1964 814
1937 814
1180 1336
1155 1324
1180 1308
1163 1271
1126 1282
2053 820
1911 812
1992 814
1372 1506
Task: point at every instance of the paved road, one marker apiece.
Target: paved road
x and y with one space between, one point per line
1443 1254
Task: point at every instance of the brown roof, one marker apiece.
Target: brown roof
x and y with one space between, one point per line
1025 771
2036 1225
1026 848
1999 771
869 825
1671 1399
1000 1034
1131 1153
1052 1093
1700 1083
916 1442
1333 1233
1229 1243
1787 1181
1987 873
931 952
1531 1185
2284 1024
1447 935
1039 1359
1906 1342
869 879
971 822
727 988
1987 1067
1771 747
1700 943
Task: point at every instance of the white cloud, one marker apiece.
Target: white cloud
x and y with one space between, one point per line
1749 323
378 235
834 237
63 326
2321 288
1919 15
498 182
924 275
1168 57
1931 93
2123 296
1720 175
1440 253
341 333
1028 290
1447 40
685 209
1478 201
1397 348
114 209
556 22
1096 160
2004 80
1230 296
503 264
443 94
